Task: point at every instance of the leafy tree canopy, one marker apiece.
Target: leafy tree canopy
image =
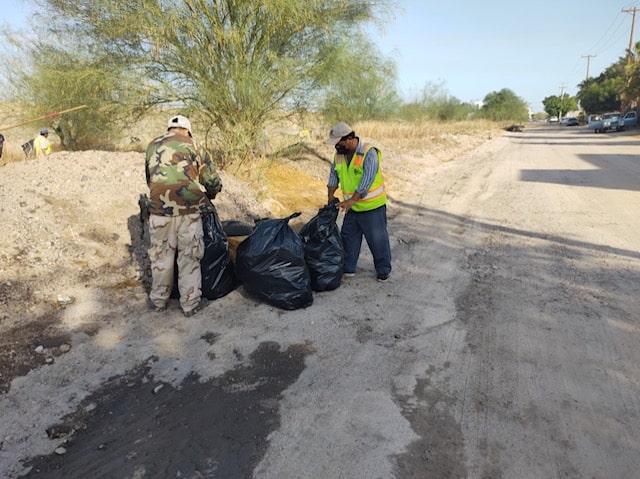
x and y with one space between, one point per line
233 63
368 94
504 105
631 89
435 103
74 77
604 92
559 106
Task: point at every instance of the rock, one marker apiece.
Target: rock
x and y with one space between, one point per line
65 348
157 389
60 430
60 451
63 299
39 349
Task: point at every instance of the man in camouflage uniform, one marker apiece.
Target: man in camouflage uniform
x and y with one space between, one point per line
182 180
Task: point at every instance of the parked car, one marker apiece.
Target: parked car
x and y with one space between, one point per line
630 119
572 122
613 121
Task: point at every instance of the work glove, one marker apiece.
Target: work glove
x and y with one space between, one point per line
213 187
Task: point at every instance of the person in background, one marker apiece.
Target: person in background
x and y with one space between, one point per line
41 144
182 180
356 169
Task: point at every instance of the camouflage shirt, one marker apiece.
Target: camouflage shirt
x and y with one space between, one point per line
180 175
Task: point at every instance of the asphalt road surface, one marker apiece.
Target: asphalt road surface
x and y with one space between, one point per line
505 345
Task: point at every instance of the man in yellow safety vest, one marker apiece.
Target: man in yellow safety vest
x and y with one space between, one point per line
356 169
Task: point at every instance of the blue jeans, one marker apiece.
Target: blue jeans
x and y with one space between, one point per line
373 226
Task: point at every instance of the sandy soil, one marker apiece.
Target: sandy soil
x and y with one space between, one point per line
505 344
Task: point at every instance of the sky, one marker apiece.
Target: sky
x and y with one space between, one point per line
536 49
469 48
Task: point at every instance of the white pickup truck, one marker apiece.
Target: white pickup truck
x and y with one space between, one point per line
613 121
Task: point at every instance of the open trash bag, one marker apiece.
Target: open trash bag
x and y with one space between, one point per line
270 264
323 249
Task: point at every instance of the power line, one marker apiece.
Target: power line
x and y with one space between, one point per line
613 38
610 37
606 35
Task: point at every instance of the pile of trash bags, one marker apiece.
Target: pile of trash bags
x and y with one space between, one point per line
274 263
283 268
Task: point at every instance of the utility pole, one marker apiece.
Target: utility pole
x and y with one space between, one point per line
633 23
588 57
562 87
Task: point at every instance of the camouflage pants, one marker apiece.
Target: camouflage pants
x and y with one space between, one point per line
168 234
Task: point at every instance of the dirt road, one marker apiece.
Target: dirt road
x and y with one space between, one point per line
505 345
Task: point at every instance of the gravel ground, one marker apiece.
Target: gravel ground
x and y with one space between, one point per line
77 339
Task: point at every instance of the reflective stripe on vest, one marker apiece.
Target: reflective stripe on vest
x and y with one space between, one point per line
350 175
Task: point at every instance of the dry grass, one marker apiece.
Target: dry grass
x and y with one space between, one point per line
294 178
293 172
397 131
310 132
425 136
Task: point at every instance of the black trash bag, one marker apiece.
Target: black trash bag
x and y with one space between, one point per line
218 271
270 263
323 249
236 228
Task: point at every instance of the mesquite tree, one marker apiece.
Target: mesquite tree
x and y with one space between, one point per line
237 63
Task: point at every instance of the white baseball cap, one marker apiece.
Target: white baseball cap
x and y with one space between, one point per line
179 121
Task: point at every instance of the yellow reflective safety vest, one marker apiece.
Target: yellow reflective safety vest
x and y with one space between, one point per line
350 174
39 144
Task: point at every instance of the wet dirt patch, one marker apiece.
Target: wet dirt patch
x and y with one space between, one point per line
439 453
138 427
13 292
29 346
